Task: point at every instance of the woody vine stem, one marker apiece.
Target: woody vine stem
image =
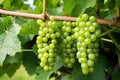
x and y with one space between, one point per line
113 22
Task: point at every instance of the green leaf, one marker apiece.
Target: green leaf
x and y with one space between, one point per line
66 77
9 42
25 38
42 75
75 75
68 6
30 62
82 5
115 75
52 3
59 63
30 27
13 59
9 69
38 6
56 11
117 3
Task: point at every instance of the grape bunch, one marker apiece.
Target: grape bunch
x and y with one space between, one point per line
47 42
73 40
69 45
87 33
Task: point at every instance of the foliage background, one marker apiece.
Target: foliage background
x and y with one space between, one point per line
18 37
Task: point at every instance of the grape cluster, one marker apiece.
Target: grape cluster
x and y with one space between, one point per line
75 40
69 45
87 33
46 42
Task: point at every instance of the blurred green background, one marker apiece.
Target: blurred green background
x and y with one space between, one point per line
20 74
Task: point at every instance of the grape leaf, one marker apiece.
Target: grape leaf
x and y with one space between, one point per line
38 6
82 5
66 77
9 69
55 11
30 62
13 59
68 6
115 75
117 3
9 42
30 27
52 3
42 75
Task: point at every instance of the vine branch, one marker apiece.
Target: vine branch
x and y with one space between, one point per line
113 22
44 9
118 11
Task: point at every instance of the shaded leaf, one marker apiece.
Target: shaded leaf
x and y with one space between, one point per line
13 59
9 69
30 62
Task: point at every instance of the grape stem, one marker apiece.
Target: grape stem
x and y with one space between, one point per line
114 41
26 50
118 12
113 22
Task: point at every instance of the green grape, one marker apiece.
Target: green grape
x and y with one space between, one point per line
69 65
90 63
87 41
68 29
92 18
82 60
84 66
66 60
91 56
82 24
91 69
89 50
85 71
83 54
51 55
72 60
68 23
43 60
81 38
92 29
87 34
52 18
88 24
93 37
50 59
85 17
39 22
42 64
45 55
46 68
